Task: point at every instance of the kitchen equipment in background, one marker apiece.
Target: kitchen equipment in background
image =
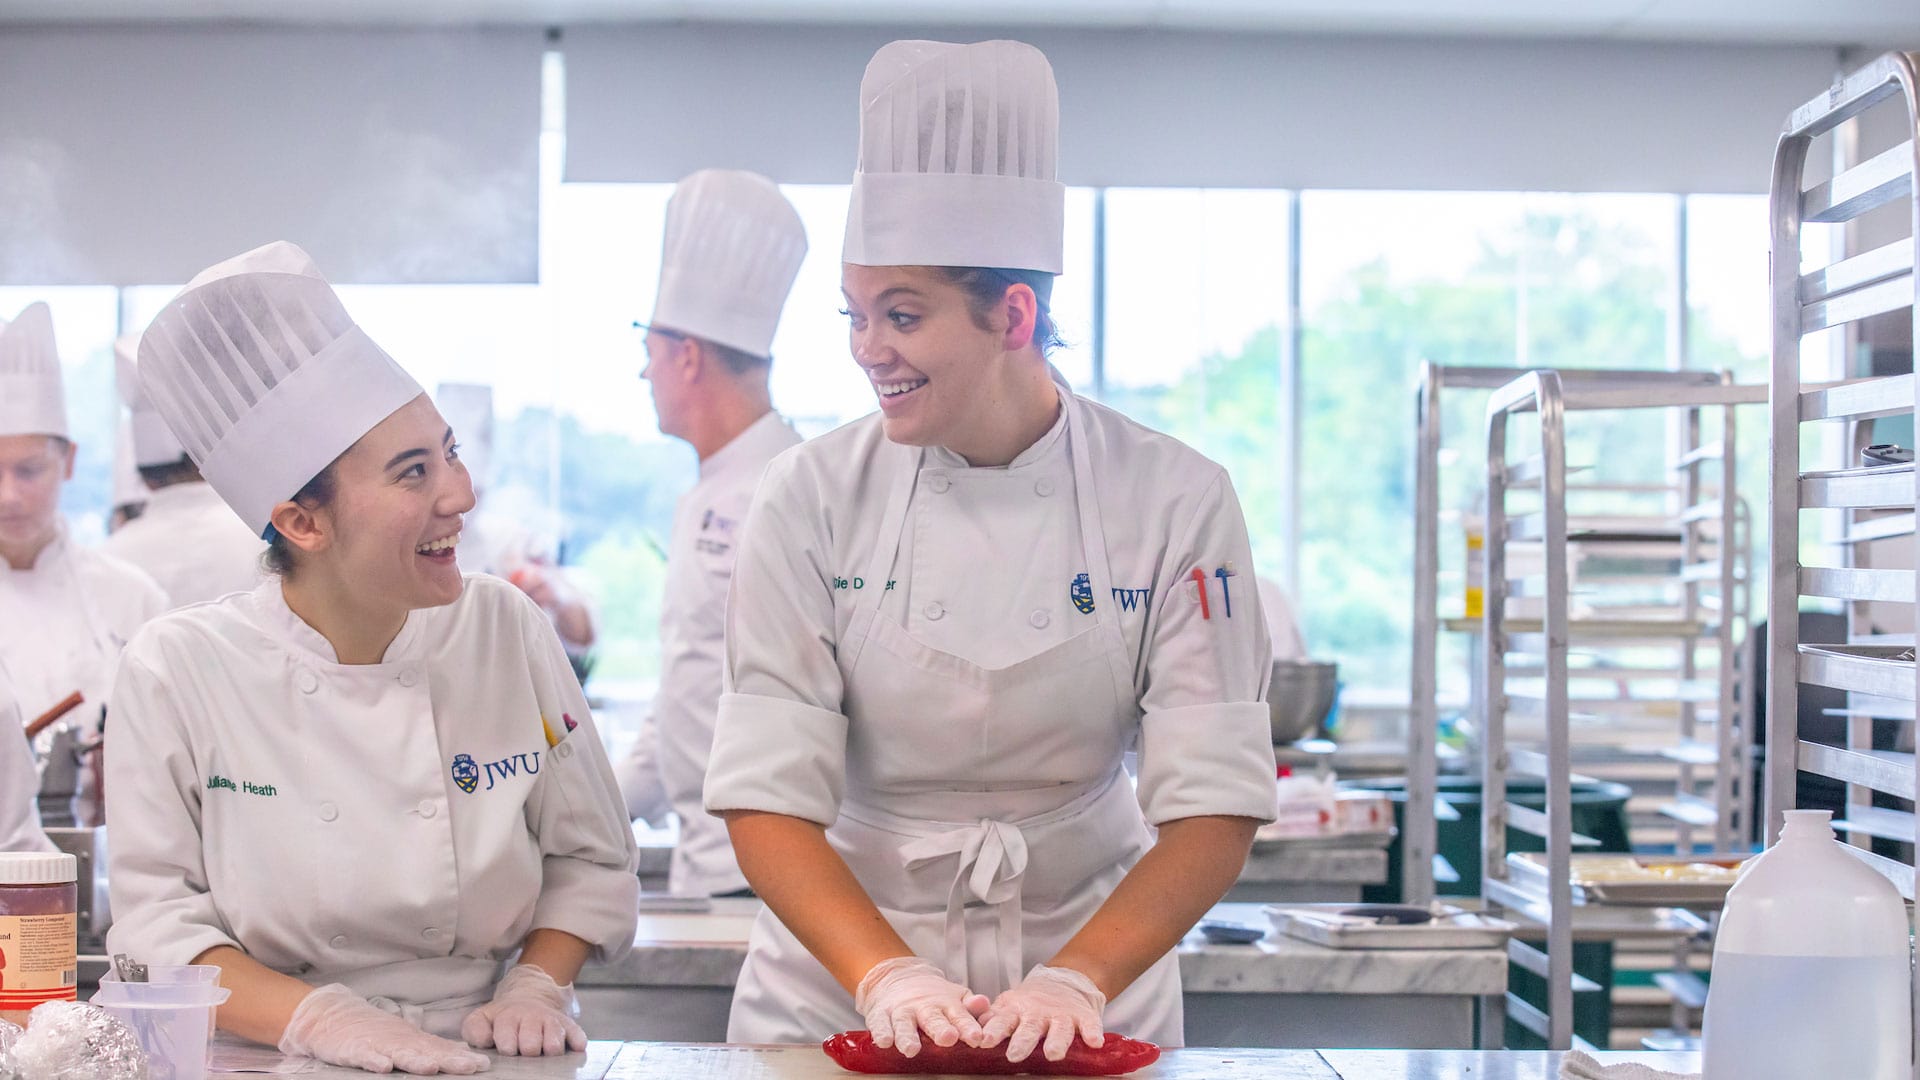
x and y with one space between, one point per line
1299 697
1811 972
88 846
1885 454
1389 926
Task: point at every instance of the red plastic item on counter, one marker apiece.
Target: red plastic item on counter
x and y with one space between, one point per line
855 1052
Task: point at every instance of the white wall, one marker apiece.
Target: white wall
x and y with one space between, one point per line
141 155
1161 108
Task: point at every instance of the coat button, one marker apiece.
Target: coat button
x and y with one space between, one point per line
1039 619
563 751
339 941
933 610
408 677
1043 487
308 682
431 933
427 809
328 811
939 484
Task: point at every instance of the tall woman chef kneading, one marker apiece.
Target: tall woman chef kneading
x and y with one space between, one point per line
949 621
368 775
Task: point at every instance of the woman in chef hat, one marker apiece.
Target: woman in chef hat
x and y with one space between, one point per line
368 790
950 620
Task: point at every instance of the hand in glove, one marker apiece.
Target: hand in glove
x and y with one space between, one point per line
904 996
1051 1003
529 1015
339 1027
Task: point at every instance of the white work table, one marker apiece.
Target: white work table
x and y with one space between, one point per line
680 1061
677 983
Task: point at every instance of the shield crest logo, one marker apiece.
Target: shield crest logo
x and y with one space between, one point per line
1082 593
465 773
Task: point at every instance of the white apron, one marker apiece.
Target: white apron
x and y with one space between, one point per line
985 883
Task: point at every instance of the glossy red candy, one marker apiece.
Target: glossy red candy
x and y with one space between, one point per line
855 1052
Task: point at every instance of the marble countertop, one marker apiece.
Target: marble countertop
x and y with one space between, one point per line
1312 862
681 1061
707 949
1283 862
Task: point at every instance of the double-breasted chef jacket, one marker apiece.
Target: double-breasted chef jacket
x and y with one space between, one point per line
397 827
192 543
945 665
706 529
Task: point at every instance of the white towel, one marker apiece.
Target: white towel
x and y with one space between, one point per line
1579 1066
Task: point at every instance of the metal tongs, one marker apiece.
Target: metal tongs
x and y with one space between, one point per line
127 970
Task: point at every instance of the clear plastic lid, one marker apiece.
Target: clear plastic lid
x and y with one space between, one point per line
37 868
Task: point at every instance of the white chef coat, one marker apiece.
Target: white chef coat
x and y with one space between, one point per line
398 827
693 624
959 720
192 543
64 620
19 781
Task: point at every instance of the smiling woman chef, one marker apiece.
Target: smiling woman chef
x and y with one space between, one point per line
369 775
949 621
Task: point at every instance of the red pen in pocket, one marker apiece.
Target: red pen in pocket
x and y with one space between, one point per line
1200 584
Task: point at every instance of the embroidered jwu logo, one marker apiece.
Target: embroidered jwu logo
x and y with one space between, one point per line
465 773
1082 593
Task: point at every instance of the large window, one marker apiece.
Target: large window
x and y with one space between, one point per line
1196 302
1494 280
1195 288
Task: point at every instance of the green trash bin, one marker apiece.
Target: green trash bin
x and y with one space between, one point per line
1599 811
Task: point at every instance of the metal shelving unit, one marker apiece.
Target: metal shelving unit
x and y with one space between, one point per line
1421 862
1872 503
1540 648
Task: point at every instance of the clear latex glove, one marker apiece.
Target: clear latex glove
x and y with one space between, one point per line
1051 1003
335 1025
530 1015
905 995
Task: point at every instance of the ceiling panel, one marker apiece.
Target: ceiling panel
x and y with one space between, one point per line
1874 23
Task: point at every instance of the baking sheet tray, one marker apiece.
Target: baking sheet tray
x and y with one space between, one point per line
1322 924
1530 872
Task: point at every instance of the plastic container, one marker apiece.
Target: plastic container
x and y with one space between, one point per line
172 1020
1810 969
1305 806
39 895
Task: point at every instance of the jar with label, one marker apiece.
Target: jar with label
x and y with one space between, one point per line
39 896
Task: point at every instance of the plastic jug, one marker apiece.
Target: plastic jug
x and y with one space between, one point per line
1811 976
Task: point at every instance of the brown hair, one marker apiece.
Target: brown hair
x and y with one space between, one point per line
986 287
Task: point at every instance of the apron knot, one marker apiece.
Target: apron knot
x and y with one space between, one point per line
991 863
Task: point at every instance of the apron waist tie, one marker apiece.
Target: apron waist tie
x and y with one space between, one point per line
992 864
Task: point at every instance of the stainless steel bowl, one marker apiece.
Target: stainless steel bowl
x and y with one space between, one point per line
1299 697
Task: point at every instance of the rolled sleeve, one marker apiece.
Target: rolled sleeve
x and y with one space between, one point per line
777 756
589 883
1194 762
157 876
1206 745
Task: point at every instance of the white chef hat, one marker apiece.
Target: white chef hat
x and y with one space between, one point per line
128 488
152 442
32 400
957 159
468 410
732 248
264 377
